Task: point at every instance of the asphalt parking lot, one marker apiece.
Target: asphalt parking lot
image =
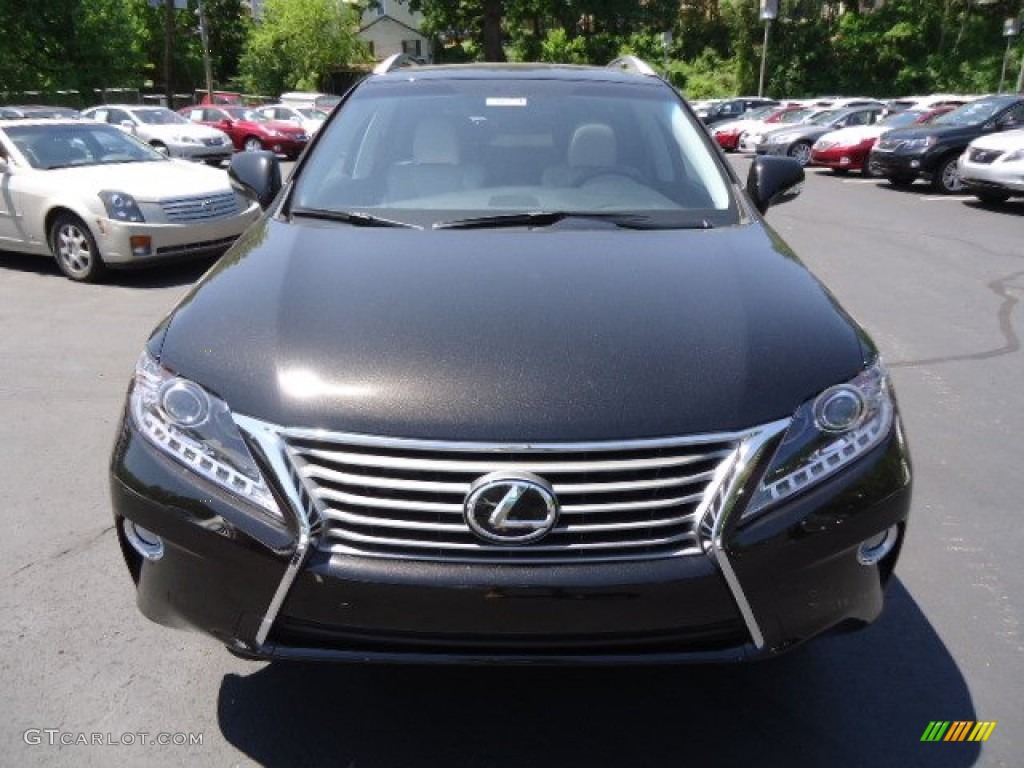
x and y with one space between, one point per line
936 280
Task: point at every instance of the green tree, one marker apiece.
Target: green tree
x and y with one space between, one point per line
297 42
69 45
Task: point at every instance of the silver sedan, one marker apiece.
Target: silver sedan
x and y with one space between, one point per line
94 196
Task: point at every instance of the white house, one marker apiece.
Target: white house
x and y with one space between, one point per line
389 27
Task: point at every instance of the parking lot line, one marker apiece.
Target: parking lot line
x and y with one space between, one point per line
951 198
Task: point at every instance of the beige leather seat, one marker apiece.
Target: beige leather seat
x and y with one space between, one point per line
435 167
593 146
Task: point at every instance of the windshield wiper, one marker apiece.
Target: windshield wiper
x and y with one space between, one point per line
547 218
355 218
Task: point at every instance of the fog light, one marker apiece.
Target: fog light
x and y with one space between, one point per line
915 163
844 161
874 549
141 245
144 541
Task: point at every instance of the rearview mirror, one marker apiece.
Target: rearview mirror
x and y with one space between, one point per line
773 181
257 175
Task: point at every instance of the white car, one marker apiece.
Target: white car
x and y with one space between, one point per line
92 196
310 118
166 131
992 168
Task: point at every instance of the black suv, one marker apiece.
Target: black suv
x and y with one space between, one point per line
733 109
511 370
931 152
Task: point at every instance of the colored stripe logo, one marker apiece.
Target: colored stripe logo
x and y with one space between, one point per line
958 730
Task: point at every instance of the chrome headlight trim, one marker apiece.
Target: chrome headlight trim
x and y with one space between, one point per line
816 446
209 444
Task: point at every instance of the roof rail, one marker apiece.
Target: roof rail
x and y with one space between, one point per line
632 64
395 62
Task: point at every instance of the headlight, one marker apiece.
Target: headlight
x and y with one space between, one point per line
192 426
188 140
917 144
1014 157
827 434
778 139
754 138
121 207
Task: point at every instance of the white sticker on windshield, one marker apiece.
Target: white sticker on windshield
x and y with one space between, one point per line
506 101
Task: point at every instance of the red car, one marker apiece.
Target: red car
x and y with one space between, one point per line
728 134
848 149
251 131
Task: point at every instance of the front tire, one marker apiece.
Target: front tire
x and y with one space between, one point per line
870 170
946 180
252 144
74 249
161 148
801 152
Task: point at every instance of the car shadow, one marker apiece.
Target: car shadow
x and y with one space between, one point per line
159 276
863 698
1012 207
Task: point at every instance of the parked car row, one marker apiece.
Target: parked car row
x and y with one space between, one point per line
916 138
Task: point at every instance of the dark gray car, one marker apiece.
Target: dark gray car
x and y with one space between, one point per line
796 141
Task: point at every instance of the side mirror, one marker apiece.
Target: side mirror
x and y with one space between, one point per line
227 122
128 125
774 180
4 169
257 175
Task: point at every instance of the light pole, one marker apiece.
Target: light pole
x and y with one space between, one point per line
1011 28
204 38
769 11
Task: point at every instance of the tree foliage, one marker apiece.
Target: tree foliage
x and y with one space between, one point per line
297 42
815 46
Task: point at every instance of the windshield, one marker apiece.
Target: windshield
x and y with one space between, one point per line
760 113
48 147
794 115
313 114
436 151
901 119
970 114
249 115
159 116
826 117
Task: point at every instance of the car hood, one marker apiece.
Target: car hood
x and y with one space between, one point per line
283 126
146 182
1006 141
510 335
187 129
731 126
855 134
941 132
809 132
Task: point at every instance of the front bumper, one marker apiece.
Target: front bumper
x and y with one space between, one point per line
168 241
205 152
765 148
841 158
903 165
223 566
994 177
288 146
728 141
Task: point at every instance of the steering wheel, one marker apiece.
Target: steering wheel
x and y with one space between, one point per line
620 171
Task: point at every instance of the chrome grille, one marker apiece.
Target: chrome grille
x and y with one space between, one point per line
984 156
207 208
403 499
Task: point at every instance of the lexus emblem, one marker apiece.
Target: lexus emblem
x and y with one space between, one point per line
511 507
